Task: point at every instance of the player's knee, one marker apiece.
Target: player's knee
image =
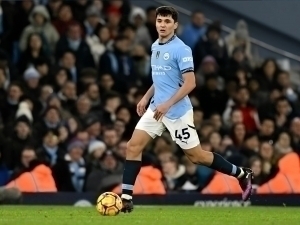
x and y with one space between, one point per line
133 148
197 156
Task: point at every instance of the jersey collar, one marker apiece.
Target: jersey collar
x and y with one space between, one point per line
168 41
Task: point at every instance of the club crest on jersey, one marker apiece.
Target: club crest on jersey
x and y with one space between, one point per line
166 56
157 54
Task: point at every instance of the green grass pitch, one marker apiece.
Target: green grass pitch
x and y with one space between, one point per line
156 215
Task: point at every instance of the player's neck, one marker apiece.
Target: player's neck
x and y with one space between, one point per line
163 40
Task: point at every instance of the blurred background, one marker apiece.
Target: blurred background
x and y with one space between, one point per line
72 72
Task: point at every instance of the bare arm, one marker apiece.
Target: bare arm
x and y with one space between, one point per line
188 85
149 94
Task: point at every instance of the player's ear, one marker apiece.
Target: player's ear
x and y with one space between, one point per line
176 25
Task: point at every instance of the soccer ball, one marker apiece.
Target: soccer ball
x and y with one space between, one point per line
109 204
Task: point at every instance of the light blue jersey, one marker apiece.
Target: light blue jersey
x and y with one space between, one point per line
168 62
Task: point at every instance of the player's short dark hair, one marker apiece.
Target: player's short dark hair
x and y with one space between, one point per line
167 11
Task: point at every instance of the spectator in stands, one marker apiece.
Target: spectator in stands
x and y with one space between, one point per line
267 129
282 145
31 83
79 8
211 44
208 67
215 139
64 19
172 170
284 82
40 23
268 104
99 42
50 150
68 95
141 64
21 136
121 148
34 50
195 30
283 113
73 42
70 174
51 120
110 138
54 101
212 99
93 20
295 134
198 117
238 61
266 152
250 146
138 19
27 155
82 108
110 104
190 181
95 151
250 116
107 83
53 8
236 116
286 180
239 38
93 93
256 164
92 125
117 11
119 64
107 174
150 23
267 74
238 134
37 178
4 82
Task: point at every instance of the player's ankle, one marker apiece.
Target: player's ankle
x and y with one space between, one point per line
241 174
126 197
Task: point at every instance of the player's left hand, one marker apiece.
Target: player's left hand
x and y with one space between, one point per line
161 110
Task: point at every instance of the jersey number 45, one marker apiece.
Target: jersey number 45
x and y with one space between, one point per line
182 135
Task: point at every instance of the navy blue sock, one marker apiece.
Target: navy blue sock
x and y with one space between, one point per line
222 165
131 170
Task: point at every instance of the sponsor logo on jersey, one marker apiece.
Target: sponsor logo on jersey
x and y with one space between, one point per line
159 69
187 59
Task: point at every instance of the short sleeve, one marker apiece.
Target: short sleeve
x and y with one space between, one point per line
185 59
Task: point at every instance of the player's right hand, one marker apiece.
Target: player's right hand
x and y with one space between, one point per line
141 106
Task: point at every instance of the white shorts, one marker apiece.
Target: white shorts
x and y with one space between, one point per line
182 130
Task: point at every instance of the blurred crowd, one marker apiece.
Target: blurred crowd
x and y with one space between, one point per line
72 72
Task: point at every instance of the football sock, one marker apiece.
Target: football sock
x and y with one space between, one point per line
131 170
222 165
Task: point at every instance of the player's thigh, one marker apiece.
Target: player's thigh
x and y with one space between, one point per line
183 131
146 129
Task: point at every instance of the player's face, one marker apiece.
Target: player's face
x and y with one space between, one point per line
165 25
